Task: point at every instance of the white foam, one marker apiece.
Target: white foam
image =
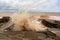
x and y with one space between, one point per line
1 17
55 18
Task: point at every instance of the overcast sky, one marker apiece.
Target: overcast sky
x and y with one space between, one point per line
30 5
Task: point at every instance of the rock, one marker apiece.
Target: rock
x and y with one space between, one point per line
26 35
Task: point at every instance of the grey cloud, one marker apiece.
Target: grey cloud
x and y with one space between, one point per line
32 5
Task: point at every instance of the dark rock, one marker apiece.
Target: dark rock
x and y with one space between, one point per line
4 19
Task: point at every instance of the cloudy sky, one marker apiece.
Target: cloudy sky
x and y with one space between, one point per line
30 5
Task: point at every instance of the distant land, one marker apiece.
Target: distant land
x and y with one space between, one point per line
41 13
